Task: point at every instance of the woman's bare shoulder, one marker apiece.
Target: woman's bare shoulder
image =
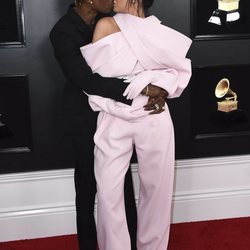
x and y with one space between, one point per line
105 27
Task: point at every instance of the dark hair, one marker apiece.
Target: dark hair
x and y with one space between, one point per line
146 4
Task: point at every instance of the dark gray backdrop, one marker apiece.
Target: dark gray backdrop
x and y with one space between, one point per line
47 149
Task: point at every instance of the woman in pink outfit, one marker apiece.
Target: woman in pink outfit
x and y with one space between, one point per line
143 51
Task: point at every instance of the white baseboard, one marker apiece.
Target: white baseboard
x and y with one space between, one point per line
212 188
41 204
37 204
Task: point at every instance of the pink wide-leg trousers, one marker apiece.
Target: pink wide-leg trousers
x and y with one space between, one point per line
153 137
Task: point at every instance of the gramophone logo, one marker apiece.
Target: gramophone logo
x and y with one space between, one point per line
228 12
4 130
228 113
230 103
1 124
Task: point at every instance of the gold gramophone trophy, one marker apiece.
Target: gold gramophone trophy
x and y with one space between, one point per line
230 103
1 124
4 130
228 112
228 5
226 13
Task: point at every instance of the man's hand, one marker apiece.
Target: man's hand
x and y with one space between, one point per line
154 91
157 104
156 101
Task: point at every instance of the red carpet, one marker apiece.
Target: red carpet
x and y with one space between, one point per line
230 234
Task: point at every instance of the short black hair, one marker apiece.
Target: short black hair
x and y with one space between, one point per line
79 1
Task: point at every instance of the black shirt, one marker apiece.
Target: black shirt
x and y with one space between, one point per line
67 36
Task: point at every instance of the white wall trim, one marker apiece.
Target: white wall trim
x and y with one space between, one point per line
37 210
213 161
212 193
38 175
41 204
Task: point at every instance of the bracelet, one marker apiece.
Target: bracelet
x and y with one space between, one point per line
146 90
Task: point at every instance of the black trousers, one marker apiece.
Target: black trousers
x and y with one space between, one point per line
85 186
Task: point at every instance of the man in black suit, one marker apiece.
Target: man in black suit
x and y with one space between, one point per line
72 31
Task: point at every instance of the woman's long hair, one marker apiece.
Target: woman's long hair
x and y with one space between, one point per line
145 4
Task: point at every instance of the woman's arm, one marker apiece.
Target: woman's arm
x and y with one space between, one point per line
172 81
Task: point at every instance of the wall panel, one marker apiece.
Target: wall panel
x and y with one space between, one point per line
36 60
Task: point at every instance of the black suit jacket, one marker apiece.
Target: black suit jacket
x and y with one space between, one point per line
67 36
